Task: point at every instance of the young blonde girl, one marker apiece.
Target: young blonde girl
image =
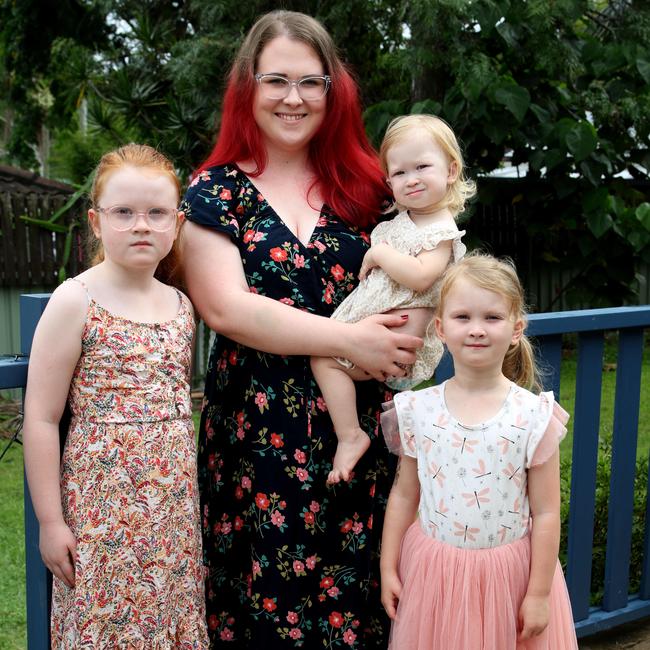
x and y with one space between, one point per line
462 566
424 168
118 515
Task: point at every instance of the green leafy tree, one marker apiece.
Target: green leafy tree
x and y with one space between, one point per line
562 86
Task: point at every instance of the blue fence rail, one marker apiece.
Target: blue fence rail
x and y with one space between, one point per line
618 606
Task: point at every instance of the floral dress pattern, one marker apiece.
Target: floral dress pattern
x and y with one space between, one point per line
129 491
292 563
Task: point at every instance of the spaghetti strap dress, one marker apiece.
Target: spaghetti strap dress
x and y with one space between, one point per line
129 491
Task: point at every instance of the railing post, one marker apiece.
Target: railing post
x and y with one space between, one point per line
38 578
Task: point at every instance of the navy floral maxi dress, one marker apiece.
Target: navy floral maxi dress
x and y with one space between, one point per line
291 562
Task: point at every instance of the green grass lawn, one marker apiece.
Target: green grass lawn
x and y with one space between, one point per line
12 551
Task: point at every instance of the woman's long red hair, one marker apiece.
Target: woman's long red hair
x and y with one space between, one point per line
348 175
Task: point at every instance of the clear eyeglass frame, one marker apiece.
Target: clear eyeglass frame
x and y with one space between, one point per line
282 86
124 217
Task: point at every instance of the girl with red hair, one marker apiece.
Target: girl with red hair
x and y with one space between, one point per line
274 240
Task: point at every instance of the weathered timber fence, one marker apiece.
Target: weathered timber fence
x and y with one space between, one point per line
30 256
617 606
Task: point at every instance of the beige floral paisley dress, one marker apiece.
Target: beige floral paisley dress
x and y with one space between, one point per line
129 490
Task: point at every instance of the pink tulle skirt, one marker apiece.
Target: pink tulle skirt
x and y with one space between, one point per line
468 599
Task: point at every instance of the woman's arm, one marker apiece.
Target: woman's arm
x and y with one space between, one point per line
55 352
217 285
417 273
401 511
544 497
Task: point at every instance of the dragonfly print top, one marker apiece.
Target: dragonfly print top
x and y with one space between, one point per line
473 478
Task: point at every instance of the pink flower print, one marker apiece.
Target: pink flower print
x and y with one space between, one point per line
357 527
464 443
300 456
302 474
246 482
314 506
320 404
320 246
292 618
504 443
277 518
269 604
299 567
437 474
349 637
276 440
257 569
226 527
333 591
476 497
322 222
464 531
513 474
311 562
226 634
480 471
328 293
252 290
338 272
286 301
225 194
299 261
259 236
295 633
261 401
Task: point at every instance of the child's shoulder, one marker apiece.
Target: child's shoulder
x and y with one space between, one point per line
66 309
425 398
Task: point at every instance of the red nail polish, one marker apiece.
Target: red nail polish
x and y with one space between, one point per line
404 316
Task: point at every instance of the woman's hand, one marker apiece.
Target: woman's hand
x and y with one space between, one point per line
391 588
378 350
58 547
533 616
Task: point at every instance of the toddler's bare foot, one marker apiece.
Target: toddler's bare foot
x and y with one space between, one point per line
348 451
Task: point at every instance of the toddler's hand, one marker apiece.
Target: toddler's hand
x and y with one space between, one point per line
369 262
58 547
533 616
391 588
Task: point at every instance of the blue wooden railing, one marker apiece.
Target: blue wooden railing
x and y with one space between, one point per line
618 606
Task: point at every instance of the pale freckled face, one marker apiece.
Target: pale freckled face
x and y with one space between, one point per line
141 189
477 325
288 124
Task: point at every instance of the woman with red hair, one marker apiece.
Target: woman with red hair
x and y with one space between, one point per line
274 240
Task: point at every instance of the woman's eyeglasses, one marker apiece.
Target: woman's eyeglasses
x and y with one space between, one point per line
124 217
309 88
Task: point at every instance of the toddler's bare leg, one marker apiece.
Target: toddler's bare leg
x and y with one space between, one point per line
337 385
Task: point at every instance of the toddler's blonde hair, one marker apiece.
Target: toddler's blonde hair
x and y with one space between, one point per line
462 189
